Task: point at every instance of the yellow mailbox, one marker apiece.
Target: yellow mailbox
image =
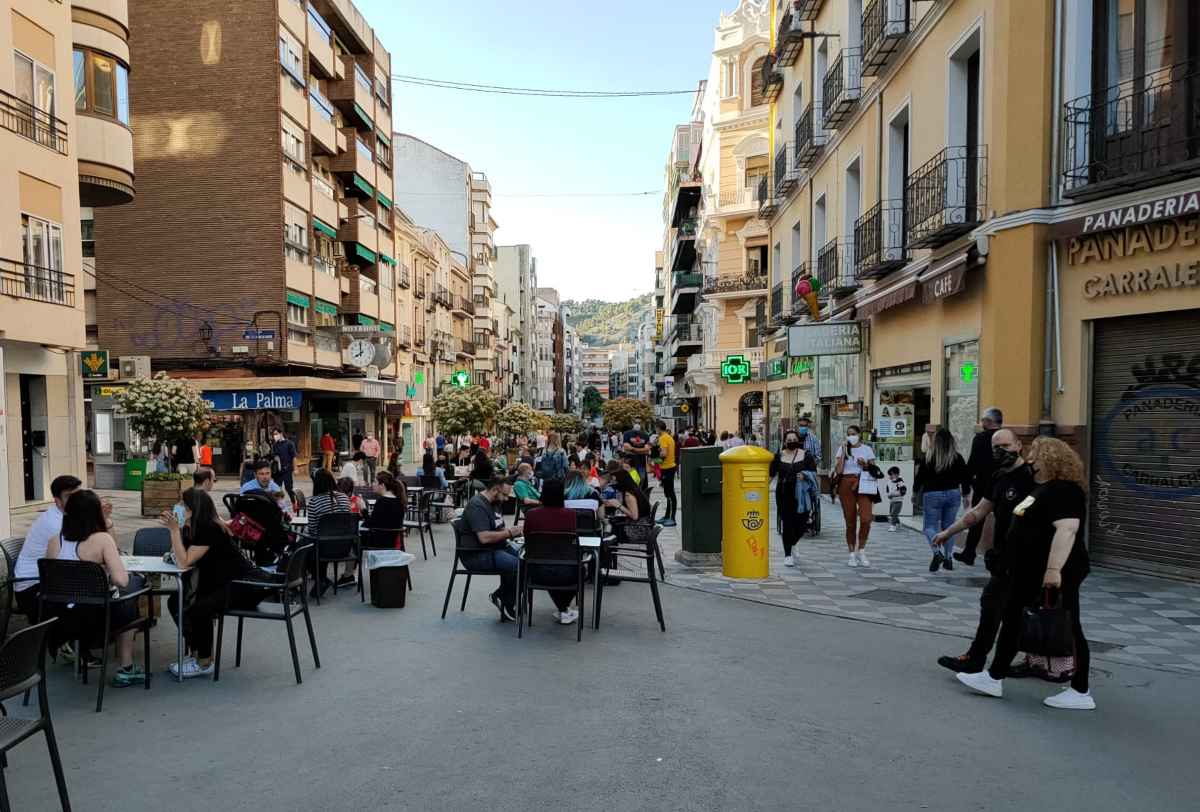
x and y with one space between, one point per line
746 511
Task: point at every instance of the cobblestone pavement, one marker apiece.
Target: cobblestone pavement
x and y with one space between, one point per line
1135 619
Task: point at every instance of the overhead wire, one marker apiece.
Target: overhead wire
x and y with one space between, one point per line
509 90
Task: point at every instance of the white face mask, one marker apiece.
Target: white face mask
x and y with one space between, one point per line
852 439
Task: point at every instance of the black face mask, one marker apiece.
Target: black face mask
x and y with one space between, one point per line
792 445
1004 457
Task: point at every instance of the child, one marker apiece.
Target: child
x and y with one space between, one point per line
895 490
346 486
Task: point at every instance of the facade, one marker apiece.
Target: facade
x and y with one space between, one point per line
59 160
276 223
551 352
595 369
516 283
570 367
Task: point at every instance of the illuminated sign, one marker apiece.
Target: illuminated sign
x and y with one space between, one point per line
735 369
461 379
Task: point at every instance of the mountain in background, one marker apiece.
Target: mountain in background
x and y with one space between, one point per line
599 323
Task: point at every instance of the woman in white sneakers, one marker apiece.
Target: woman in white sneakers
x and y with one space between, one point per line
858 491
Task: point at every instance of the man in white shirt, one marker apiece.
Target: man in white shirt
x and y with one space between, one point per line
45 527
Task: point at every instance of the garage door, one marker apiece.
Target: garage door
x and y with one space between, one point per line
1145 472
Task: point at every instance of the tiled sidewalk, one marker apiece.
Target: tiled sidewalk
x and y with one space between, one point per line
1132 619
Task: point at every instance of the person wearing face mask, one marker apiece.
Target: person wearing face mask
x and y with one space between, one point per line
982 468
789 468
857 490
809 438
940 480
1012 482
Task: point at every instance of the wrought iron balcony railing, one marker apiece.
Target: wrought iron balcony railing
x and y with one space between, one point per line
879 240
403 277
947 196
843 87
766 197
808 9
810 136
22 118
734 284
24 281
777 304
1134 135
787 173
884 27
404 337
835 267
772 79
789 40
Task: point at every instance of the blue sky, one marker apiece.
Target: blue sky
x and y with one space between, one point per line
597 247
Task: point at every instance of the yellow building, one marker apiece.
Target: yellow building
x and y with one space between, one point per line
55 156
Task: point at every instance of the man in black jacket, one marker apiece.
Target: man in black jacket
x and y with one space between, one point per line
982 467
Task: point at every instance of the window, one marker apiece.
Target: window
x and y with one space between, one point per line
386 276
756 82
295 232
319 103
363 80
101 85
383 152
43 255
103 442
382 89
87 230
326 314
323 30
297 314
757 168
293 142
364 150
324 254
34 83
291 57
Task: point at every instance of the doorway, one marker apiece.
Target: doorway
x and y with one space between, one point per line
34 426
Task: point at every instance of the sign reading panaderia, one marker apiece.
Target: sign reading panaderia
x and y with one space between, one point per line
829 338
1133 241
1165 208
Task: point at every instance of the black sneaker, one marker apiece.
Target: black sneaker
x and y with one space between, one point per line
506 615
938 558
966 558
947 564
962 664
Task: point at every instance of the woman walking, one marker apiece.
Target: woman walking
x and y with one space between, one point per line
1047 555
789 469
858 490
944 482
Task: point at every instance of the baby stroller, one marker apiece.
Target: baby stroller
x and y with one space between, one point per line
257 523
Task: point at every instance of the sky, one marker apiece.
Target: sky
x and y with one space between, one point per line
587 246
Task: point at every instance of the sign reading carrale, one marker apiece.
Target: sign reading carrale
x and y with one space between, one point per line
1131 241
1143 280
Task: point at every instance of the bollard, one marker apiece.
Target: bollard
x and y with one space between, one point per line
746 511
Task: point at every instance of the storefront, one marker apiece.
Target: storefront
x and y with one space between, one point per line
241 423
826 376
791 394
901 398
1130 389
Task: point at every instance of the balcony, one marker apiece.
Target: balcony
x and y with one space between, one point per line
843 87
685 291
419 342
879 240
35 283
686 339
463 305
742 200
324 131
810 136
947 196
354 96
363 295
789 40
320 45
403 277
404 337
772 80
808 9
1134 136
729 286
777 305
684 196
22 118
787 174
464 348
884 28
421 285
359 228
356 165
835 268
441 296
767 204
683 249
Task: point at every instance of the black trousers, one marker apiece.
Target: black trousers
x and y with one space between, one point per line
199 616
795 525
668 486
284 479
27 602
992 602
975 534
1010 631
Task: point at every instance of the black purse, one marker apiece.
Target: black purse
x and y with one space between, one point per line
1047 629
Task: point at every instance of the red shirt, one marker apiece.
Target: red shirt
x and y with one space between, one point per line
485 443
552 520
327 443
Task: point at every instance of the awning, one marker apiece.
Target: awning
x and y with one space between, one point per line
387 328
298 299
888 300
945 280
385 200
383 137
364 252
362 184
328 308
328 231
366 321
385 258
362 114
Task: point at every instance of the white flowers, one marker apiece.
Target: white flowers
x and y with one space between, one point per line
163 407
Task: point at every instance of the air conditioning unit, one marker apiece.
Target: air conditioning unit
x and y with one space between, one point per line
135 366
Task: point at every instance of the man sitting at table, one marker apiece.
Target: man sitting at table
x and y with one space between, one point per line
523 487
483 529
263 483
37 540
553 517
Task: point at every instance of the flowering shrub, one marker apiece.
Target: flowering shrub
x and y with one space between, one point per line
160 408
463 411
622 413
516 419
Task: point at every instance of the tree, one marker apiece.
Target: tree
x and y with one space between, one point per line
162 409
592 402
516 419
622 413
463 411
541 421
566 423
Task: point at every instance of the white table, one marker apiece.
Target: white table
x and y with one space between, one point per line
298 521
154 565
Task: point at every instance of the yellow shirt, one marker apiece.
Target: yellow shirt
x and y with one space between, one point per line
666 447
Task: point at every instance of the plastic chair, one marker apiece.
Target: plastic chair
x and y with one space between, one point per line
295 578
459 568
639 541
85 583
548 549
418 519
152 541
336 542
22 668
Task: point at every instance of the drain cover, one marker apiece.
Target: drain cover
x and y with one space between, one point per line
898 597
969 581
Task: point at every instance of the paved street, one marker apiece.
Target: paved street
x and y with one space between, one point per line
741 704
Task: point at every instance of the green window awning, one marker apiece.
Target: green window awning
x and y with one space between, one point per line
361 250
383 137
362 184
362 114
387 328
298 299
366 321
385 200
387 259
328 231
328 308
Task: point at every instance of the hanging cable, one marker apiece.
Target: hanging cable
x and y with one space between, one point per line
507 90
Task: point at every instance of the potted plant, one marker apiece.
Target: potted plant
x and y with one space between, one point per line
162 491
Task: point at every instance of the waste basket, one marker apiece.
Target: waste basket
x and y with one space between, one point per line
700 505
746 511
389 577
135 474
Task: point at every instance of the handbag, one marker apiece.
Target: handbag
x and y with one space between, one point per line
245 529
1047 629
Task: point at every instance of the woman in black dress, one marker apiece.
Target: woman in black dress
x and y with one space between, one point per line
788 466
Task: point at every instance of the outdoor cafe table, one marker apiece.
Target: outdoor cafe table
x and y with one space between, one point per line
154 565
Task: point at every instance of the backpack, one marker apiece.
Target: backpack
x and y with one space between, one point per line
552 466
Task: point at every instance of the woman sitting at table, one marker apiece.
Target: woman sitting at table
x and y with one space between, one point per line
577 487
552 517
523 489
85 537
328 497
391 505
430 469
482 471
203 543
631 503
345 486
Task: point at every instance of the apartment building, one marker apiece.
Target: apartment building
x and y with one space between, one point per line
516 284
595 369
58 160
570 366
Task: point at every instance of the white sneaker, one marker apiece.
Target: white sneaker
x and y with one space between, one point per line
568 617
173 667
853 560
893 528
862 559
788 561
192 669
983 683
1070 699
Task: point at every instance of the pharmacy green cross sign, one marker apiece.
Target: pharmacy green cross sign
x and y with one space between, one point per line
461 379
968 372
735 369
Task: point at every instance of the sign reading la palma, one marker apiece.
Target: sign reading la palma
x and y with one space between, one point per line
253 400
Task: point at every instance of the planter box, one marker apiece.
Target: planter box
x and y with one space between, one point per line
160 496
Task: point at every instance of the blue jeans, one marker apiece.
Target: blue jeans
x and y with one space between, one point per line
941 508
503 560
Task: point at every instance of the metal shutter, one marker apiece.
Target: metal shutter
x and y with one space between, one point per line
1145 471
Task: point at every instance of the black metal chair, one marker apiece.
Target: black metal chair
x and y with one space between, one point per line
230 502
152 541
22 668
548 549
459 568
336 542
637 541
377 538
295 579
84 584
418 519
6 595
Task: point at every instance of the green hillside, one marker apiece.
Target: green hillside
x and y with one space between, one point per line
600 323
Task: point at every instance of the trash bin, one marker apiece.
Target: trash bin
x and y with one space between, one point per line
700 506
746 512
135 473
389 577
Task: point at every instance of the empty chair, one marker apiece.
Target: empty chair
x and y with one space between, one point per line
418 519
638 541
336 542
152 541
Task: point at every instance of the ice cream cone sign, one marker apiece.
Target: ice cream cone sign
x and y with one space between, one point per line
807 288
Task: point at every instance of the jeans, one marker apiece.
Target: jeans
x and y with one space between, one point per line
894 509
940 509
668 486
371 462
502 560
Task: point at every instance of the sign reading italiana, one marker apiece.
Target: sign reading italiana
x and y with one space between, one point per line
828 338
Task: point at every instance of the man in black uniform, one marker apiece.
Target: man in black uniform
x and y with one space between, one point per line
982 468
1012 482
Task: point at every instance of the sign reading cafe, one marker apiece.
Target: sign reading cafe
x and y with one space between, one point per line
253 399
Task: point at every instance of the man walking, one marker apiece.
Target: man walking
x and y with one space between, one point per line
370 447
284 451
812 443
666 450
636 446
328 451
981 467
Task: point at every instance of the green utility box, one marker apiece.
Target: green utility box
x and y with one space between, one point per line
700 505
135 474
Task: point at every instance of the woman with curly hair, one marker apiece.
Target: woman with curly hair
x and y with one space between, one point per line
1047 553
